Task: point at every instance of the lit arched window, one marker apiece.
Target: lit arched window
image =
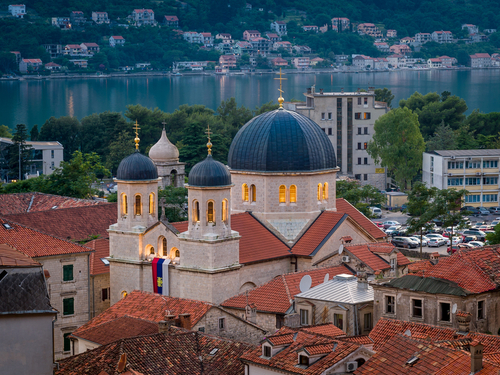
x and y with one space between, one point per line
124 204
282 194
138 205
293 194
152 203
244 192
164 246
124 294
210 212
174 253
320 191
254 193
325 191
224 210
196 211
177 253
151 250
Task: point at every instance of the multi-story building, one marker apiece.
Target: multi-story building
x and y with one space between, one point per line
142 17
362 61
369 29
100 17
287 46
193 37
382 46
207 39
423 38
261 46
225 37
312 28
434 63
241 48
392 33
279 27
73 49
471 29
89 48
348 119
116 40
480 60
171 21
17 10
341 23
400 49
30 65
63 23
54 50
77 18
250 34
301 63
474 170
442 37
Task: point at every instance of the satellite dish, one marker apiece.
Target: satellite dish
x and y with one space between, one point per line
341 249
327 276
305 283
454 310
408 333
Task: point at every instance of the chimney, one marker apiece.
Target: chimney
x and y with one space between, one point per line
185 321
476 356
164 325
362 277
463 319
434 258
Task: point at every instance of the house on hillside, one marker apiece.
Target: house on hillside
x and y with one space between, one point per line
30 65
227 61
53 66
301 63
17 10
471 29
400 49
382 46
369 29
100 17
279 27
278 61
423 38
77 18
171 21
250 34
442 37
89 48
116 40
311 28
64 23
341 23
391 33
142 17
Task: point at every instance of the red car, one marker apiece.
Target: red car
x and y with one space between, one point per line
379 224
452 250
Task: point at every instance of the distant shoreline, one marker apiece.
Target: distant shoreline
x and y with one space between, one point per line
212 73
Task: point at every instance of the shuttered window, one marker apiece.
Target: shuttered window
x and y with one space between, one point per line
68 306
68 272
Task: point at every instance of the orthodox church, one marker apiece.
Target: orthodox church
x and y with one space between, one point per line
271 210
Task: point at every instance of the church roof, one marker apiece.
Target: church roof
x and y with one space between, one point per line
136 167
281 141
164 150
209 172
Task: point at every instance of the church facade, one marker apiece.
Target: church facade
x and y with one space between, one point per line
271 211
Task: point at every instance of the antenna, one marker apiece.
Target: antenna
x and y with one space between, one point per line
454 309
327 276
305 283
341 248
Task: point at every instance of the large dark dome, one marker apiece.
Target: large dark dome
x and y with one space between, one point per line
281 141
137 167
209 172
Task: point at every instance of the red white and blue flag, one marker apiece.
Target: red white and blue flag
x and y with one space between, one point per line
160 276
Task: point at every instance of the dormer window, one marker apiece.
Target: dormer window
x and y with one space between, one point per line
266 351
303 360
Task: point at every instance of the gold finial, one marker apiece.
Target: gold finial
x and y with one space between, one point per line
281 79
209 144
137 139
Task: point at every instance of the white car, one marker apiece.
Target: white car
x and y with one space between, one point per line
436 242
376 212
390 223
476 243
417 240
456 241
392 229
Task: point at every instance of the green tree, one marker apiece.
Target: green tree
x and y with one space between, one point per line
384 95
176 196
465 138
443 139
5 131
19 152
233 117
34 133
119 149
66 130
361 197
398 145
494 238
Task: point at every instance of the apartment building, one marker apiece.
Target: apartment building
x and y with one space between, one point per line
423 38
442 36
369 29
142 17
279 27
341 23
480 60
474 170
100 17
348 119
17 10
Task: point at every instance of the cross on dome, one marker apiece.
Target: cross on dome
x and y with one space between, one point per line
136 139
281 79
209 144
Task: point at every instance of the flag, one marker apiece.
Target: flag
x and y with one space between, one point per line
158 275
166 289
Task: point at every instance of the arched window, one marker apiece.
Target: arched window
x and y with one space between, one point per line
163 246
244 192
151 250
224 210
138 205
254 193
152 203
124 204
293 194
282 194
325 191
124 294
177 253
196 211
320 191
174 253
210 212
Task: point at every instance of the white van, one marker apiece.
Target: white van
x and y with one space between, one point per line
376 212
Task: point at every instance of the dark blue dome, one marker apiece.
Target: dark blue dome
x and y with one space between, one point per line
137 167
281 141
209 172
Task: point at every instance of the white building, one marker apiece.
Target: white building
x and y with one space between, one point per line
116 40
471 29
193 37
442 37
100 17
279 27
17 10
474 170
142 17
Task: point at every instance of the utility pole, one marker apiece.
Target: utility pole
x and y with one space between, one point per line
19 161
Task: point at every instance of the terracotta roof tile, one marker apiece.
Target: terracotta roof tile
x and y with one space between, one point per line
462 365
10 257
363 253
344 206
277 295
31 202
160 354
327 329
34 243
362 340
420 265
150 307
75 223
101 250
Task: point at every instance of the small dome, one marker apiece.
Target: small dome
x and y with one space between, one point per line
281 141
137 167
209 172
164 150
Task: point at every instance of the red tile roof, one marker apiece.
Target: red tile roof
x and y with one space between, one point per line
76 223
10 257
367 253
362 340
277 295
322 228
20 203
286 360
475 270
160 354
34 243
327 329
101 250
420 265
150 307
344 206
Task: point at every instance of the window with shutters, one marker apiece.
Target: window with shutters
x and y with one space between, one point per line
68 306
67 342
68 272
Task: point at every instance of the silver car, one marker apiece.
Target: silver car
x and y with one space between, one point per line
417 240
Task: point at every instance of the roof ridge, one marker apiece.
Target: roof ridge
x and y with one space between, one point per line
274 234
287 289
93 206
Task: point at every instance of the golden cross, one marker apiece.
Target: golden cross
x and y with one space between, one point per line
137 139
281 79
209 144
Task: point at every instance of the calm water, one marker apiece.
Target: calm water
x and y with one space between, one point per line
34 102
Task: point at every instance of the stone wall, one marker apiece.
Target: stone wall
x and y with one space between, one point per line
97 304
265 320
126 277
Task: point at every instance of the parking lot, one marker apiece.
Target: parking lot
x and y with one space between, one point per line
402 218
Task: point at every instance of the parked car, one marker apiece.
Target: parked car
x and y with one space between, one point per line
485 227
476 243
393 229
379 224
436 242
417 240
472 210
390 223
454 248
456 240
467 239
404 242
475 232
494 210
483 211
494 223
376 212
